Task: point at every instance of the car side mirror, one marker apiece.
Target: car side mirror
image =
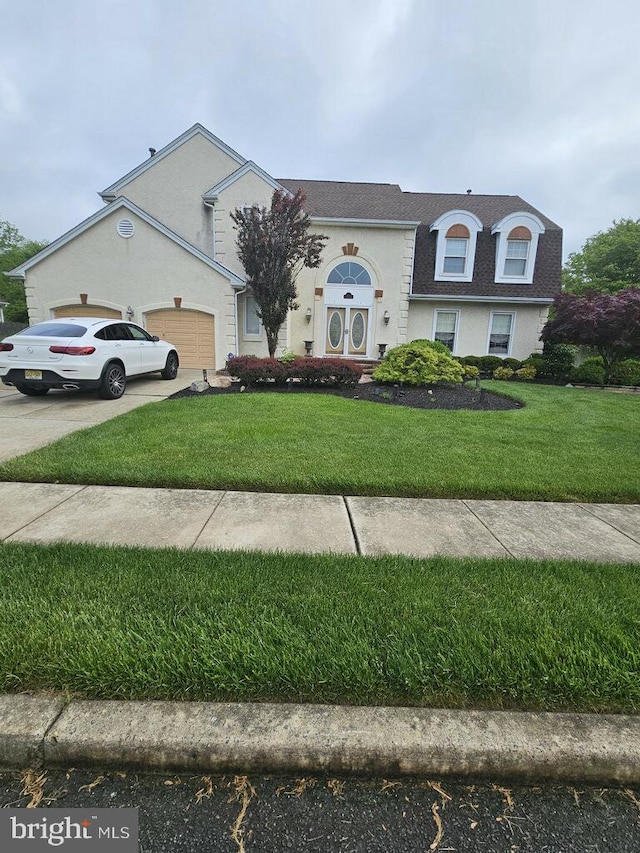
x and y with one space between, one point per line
155 338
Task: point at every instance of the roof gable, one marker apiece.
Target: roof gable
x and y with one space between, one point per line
122 202
249 166
112 191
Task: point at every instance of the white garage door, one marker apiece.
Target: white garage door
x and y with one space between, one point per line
191 332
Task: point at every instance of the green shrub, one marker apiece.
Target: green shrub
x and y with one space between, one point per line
489 363
590 372
472 360
536 359
557 361
502 373
436 346
513 363
527 373
419 363
286 357
626 372
471 372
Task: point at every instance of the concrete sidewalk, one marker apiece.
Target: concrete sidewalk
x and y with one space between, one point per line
309 739
46 512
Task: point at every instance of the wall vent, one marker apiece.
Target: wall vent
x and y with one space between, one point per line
125 228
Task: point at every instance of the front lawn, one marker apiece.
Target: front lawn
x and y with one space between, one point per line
168 624
565 445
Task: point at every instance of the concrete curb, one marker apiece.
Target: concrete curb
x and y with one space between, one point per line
271 738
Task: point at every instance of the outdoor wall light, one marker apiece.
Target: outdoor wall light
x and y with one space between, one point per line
129 312
307 315
386 317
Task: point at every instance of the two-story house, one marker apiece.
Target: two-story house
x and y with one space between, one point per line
476 272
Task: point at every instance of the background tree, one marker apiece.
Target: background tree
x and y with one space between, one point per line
608 322
274 246
14 250
608 262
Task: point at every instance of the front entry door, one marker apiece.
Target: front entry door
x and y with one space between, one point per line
347 331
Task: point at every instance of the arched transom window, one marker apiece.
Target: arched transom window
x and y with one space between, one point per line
349 272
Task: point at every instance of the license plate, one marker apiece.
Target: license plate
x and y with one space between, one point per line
33 374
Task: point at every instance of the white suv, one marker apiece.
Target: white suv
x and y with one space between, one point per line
83 353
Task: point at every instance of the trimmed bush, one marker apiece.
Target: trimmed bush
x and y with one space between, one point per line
471 372
527 373
251 370
325 371
626 372
557 361
502 373
472 360
489 363
436 346
590 372
419 363
513 363
536 359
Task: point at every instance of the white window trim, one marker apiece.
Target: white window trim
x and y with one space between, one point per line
502 230
442 225
455 311
246 335
511 336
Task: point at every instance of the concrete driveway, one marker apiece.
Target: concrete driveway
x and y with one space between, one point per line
27 423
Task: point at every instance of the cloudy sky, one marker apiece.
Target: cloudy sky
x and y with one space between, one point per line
538 99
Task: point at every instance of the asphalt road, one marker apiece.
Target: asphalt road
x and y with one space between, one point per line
235 813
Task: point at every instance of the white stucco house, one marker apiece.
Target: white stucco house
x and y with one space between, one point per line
477 272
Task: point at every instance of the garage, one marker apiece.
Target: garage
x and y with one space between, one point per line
191 332
87 311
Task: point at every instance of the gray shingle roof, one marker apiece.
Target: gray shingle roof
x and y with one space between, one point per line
351 200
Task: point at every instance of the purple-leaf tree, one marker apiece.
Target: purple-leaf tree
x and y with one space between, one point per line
607 322
274 245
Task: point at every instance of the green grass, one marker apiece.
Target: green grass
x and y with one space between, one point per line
565 445
132 623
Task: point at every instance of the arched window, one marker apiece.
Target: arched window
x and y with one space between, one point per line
456 247
349 272
516 246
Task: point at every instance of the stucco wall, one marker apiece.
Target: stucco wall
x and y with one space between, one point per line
171 190
473 325
387 253
145 271
250 189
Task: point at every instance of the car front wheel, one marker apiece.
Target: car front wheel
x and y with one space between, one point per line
114 381
171 367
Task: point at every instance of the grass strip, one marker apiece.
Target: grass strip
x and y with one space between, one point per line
239 626
565 445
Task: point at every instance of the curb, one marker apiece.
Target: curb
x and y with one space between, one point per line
273 738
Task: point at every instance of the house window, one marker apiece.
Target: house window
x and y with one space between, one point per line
516 247
515 262
457 233
500 334
455 255
348 272
445 327
251 319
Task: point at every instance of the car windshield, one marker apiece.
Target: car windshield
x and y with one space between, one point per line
54 330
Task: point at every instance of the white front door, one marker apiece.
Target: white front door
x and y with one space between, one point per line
347 331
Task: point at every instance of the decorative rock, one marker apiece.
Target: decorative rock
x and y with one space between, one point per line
199 386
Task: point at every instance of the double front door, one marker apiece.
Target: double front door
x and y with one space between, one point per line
347 331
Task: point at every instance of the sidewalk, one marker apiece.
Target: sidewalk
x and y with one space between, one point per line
308 739
46 512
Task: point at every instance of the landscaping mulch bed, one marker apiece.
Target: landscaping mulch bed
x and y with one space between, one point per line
438 397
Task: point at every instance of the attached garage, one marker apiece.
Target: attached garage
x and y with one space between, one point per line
191 332
87 311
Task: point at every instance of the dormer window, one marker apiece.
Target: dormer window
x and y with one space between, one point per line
456 246
516 247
